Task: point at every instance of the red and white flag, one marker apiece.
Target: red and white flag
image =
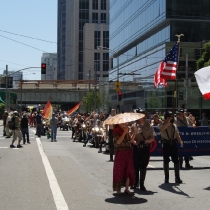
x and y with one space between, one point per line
203 80
167 68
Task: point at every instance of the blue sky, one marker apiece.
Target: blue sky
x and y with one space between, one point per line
32 18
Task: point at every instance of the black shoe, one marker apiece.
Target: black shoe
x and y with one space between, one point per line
55 140
12 146
51 140
188 166
7 136
178 180
19 146
166 181
28 142
24 142
84 145
142 187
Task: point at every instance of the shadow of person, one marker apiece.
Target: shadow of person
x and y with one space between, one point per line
147 192
125 199
208 188
173 188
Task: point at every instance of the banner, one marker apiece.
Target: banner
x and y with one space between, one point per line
196 142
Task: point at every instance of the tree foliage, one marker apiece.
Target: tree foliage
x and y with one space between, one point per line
205 58
101 99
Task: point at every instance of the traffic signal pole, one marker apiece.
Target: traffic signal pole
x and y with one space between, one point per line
186 78
118 101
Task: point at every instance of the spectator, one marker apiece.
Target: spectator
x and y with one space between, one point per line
8 133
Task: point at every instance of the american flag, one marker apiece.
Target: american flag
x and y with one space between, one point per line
167 68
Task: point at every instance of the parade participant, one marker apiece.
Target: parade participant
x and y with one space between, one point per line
78 128
16 131
156 121
144 135
204 120
109 132
53 127
24 129
123 174
169 136
38 124
182 121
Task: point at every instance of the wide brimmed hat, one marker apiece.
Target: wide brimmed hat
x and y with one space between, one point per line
123 118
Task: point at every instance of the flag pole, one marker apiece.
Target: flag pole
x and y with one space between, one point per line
176 83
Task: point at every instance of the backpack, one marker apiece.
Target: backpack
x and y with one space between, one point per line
11 124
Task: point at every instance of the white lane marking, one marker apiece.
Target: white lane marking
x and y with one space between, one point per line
56 191
4 147
151 166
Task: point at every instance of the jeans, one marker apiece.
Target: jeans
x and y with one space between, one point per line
89 136
53 133
25 132
39 129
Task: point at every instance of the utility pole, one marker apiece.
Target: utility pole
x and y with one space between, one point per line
95 86
21 91
186 83
118 101
6 87
89 82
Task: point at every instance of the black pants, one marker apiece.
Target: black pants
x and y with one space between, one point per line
170 151
141 158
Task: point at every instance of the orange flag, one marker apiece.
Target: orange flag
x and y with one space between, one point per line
47 112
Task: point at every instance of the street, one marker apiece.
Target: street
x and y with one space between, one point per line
65 175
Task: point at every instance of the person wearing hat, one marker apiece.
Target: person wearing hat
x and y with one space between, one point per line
183 121
144 135
16 132
53 127
169 136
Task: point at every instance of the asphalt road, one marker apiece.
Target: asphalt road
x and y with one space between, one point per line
64 175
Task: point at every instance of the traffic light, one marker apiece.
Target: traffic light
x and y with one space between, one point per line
181 95
119 95
43 68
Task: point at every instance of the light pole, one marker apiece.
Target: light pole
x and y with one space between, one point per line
95 85
106 48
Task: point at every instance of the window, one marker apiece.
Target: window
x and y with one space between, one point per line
103 4
97 39
97 56
105 61
95 17
96 61
84 4
106 39
103 17
95 4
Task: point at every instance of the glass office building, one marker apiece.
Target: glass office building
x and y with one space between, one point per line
141 34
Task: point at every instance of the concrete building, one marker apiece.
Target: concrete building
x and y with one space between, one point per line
50 59
141 34
86 28
61 36
16 77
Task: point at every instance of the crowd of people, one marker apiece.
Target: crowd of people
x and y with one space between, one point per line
128 143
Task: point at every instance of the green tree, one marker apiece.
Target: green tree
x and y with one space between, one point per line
204 60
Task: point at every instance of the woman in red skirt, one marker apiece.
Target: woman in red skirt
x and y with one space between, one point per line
123 171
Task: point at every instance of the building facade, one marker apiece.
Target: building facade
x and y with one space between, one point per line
86 28
50 59
61 39
141 34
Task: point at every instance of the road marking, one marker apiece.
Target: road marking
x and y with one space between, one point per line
56 191
151 166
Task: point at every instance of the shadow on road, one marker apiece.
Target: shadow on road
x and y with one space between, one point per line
184 169
208 188
173 188
125 199
147 192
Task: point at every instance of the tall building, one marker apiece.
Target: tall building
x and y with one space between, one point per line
50 59
86 26
61 37
141 34
14 77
